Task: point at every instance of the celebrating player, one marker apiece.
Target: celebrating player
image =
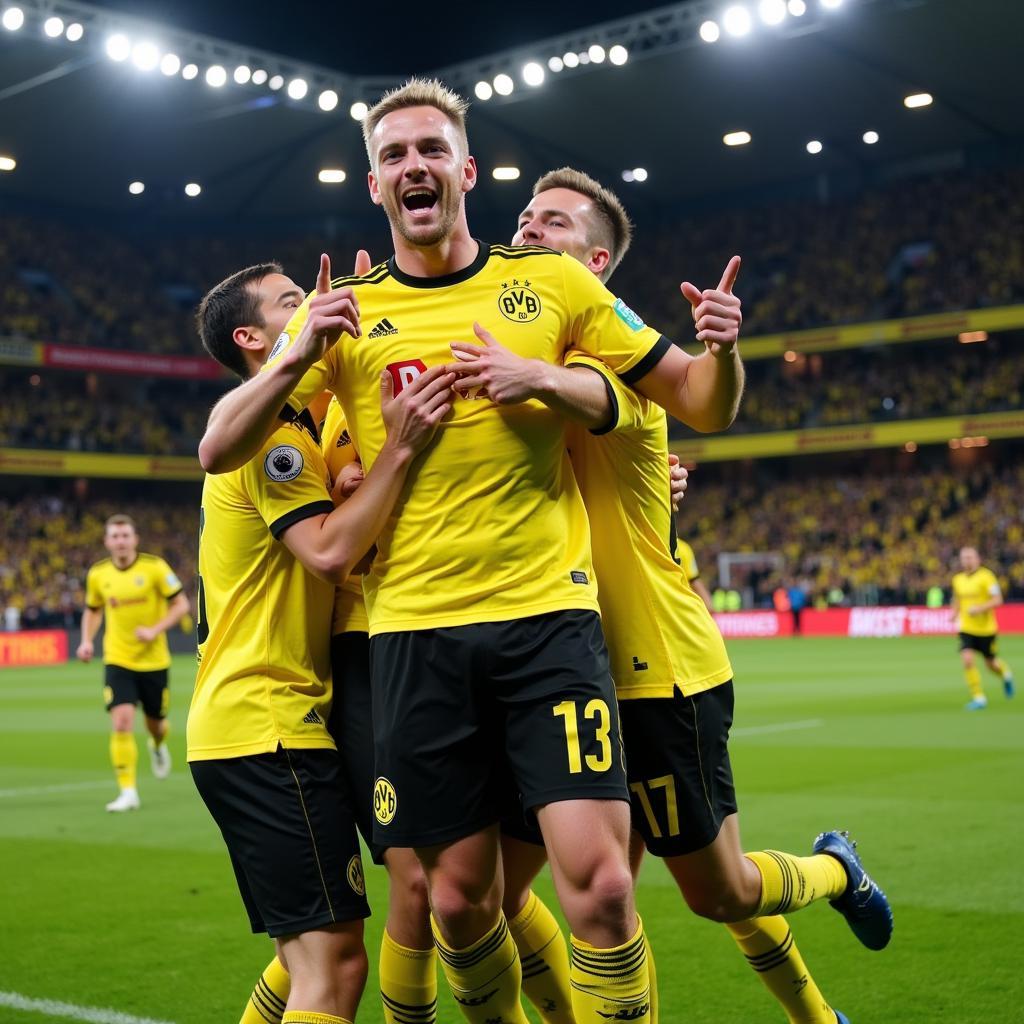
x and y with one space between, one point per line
142 599
976 596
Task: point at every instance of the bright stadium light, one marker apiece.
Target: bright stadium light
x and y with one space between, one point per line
189 71
709 31
772 12
332 176
814 147
259 76
192 189
297 88
639 173
533 74
503 85
358 110
145 56
137 188
618 55
583 57
53 27
13 19
327 100
119 47
917 99
596 53
276 82
570 60
170 64
736 138
7 163
483 90
831 5
870 137
505 173
797 8
736 20
243 74
74 32
556 64
216 76
627 175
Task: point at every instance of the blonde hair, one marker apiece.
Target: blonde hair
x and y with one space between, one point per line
418 92
121 519
610 228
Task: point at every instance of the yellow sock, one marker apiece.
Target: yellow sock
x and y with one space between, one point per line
486 977
611 984
312 1017
408 983
652 979
770 950
1002 668
789 883
124 756
973 677
545 959
269 997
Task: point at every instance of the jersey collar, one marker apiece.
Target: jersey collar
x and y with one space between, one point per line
474 268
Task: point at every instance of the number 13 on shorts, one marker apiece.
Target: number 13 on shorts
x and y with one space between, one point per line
595 710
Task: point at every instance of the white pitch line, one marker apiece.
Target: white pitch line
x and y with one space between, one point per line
66 787
90 1014
757 730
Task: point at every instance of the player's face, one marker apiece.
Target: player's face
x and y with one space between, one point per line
969 559
121 541
559 218
278 297
420 173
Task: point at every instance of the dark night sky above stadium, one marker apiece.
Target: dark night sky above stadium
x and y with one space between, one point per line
350 37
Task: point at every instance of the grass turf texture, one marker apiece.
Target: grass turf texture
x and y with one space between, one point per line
138 912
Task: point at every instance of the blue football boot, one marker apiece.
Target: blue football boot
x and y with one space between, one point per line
976 704
865 907
1008 688
841 1018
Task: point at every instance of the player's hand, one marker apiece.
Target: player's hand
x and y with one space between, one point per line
332 312
717 313
348 482
363 263
677 477
147 634
85 650
412 417
492 371
975 610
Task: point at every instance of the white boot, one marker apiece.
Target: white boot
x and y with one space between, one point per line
159 759
127 800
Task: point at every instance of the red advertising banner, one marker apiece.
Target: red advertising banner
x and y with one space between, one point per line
33 647
142 364
898 620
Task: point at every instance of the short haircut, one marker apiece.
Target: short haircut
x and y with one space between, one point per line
418 92
611 228
120 519
230 304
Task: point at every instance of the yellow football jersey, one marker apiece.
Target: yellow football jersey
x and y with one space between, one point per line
659 632
264 620
134 596
490 525
687 559
339 451
970 589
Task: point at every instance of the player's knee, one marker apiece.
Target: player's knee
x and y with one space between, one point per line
608 895
332 972
464 906
725 902
408 892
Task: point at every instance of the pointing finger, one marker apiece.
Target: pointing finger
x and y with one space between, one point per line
732 269
323 277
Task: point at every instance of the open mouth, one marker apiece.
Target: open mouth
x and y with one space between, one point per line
419 200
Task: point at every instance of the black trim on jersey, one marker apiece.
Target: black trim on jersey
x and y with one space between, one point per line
305 419
613 422
288 414
99 607
478 264
649 361
314 508
374 276
138 555
518 252
171 597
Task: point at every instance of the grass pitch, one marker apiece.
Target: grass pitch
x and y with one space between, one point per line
138 913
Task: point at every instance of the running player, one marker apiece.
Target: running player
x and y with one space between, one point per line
271 548
486 645
976 596
141 598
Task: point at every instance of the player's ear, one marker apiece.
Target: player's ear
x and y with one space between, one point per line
598 261
469 174
371 181
247 338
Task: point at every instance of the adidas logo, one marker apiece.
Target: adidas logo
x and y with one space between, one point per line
383 329
313 718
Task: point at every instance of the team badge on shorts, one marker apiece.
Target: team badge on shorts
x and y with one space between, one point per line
283 463
354 874
385 801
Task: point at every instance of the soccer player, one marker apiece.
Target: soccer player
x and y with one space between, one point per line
272 546
486 647
976 596
142 599
688 560
669 662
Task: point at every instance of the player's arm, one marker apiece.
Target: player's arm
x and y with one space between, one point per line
177 609
701 590
331 545
92 619
954 606
994 601
246 416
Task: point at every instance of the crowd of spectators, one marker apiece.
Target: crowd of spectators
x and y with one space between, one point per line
929 244
864 539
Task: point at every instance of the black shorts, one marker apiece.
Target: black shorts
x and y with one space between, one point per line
125 686
351 725
287 821
677 759
986 646
456 709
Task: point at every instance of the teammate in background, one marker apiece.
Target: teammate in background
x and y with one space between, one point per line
672 672
272 546
976 596
688 560
142 599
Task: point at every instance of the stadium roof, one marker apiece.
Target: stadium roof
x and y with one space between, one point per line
82 127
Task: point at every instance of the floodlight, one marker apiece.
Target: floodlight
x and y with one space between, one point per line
13 18
170 64
736 138
358 110
119 47
243 74
618 55
533 74
505 173
137 188
192 189
709 31
332 176
53 27
297 88
327 100
503 85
